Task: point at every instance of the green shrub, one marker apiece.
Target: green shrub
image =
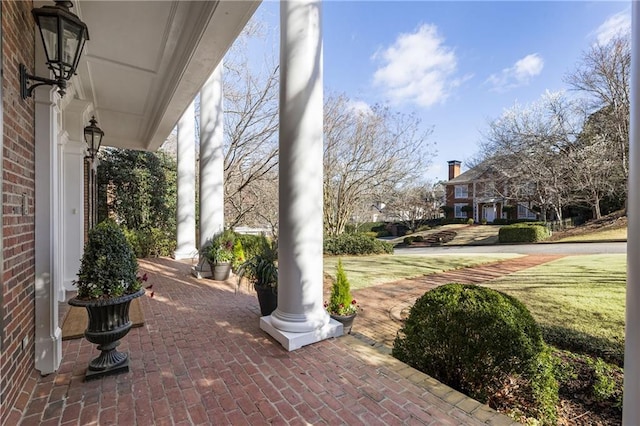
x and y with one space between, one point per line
371 234
108 267
591 377
470 221
408 240
483 221
355 244
418 239
530 232
150 242
238 254
251 244
341 302
475 340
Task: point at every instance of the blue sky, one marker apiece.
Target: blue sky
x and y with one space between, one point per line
456 64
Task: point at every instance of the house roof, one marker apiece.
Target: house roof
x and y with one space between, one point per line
473 174
145 62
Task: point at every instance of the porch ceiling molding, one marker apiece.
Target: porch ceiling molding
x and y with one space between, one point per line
146 61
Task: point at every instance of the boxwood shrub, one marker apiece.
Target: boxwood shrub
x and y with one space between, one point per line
530 232
355 244
479 340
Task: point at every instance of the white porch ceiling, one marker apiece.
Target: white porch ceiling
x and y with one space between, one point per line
145 61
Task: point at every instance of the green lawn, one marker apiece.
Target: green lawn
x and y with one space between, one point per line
578 300
365 271
608 234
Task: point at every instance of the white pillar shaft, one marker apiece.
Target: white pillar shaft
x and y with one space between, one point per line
48 266
300 283
631 408
186 208
211 157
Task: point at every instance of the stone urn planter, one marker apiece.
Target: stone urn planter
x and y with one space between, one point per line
108 323
107 283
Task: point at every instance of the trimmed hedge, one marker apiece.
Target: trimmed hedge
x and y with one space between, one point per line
477 340
530 232
355 244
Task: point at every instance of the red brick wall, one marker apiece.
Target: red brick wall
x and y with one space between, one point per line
18 182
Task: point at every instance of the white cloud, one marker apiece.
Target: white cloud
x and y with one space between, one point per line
418 68
616 25
360 107
519 74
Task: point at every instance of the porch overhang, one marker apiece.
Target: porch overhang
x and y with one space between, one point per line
145 62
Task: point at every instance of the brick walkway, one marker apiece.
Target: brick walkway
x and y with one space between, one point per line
383 305
202 359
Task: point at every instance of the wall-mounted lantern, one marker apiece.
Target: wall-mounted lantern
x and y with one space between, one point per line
93 137
63 36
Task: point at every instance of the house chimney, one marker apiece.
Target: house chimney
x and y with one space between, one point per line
454 169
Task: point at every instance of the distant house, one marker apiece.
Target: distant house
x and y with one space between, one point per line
478 193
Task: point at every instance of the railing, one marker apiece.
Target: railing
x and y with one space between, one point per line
561 225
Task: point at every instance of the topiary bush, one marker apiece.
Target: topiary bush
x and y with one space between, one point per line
523 233
108 267
355 244
475 340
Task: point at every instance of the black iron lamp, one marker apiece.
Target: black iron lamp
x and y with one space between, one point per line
93 137
63 36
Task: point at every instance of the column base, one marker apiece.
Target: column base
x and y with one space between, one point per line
186 254
202 269
292 341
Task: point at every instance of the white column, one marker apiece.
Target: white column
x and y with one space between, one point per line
186 208
73 149
300 318
211 164
211 157
630 406
48 343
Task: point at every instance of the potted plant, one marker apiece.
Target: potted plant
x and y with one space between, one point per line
342 307
219 253
261 270
107 283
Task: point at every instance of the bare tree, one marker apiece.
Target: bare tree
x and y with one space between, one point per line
367 153
251 145
604 74
529 149
414 204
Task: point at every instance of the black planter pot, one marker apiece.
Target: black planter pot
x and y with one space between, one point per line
268 299
108 323
346 320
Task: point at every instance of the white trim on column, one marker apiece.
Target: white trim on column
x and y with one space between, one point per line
48 340
630 406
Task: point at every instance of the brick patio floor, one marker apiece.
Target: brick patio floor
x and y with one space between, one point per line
201 358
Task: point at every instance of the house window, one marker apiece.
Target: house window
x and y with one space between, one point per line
457 211
525 212
462 191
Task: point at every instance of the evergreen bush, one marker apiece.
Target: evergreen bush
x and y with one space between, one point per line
108 267
525 232
475 340
341 302
355 244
